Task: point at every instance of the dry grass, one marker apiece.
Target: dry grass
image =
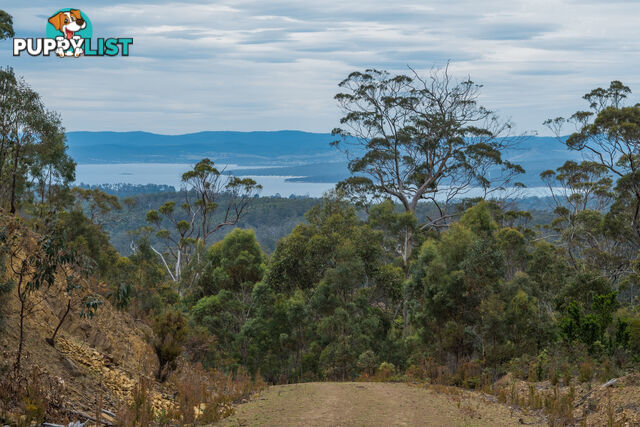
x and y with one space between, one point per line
30 397
371 404
202 397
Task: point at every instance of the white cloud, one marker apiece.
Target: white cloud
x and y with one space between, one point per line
251 64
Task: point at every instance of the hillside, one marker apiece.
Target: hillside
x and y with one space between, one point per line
62 361
90 365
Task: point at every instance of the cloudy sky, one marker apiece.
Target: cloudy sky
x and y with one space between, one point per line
268 65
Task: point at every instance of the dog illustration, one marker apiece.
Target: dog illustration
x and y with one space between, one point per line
68 23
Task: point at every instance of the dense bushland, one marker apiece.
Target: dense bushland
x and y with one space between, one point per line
372 284
486 296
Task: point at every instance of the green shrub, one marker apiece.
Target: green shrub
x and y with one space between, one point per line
385 371
586 371
170 329
367 362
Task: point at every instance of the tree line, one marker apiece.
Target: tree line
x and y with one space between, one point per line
461 292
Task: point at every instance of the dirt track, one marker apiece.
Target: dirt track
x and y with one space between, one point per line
367 404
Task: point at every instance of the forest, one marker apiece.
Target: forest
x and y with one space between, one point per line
394 274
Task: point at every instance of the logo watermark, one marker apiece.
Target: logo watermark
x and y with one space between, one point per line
69 34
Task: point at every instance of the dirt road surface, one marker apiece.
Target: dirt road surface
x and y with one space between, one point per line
370 404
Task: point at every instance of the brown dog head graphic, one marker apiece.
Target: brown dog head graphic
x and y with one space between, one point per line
68 22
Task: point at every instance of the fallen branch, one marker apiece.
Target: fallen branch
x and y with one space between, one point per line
586 396
71 424
90 418
111 414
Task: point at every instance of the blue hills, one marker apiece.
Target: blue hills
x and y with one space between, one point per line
119 147
284 153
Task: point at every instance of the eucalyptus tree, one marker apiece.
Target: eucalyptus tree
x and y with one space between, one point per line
212 200
583 193
608 133
52 169
576 187
412 138
32 146
98 205
6 25
205 187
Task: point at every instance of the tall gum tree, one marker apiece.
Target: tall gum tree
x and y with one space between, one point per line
412 138
33 148
6 25
608 133
212 200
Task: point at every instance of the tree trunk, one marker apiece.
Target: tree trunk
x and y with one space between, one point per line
13 180
21 297
406 255
2 157
204 220
52 340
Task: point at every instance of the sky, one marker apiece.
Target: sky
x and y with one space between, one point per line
271 65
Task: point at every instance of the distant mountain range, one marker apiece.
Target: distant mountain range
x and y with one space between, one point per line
283 153
250 148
